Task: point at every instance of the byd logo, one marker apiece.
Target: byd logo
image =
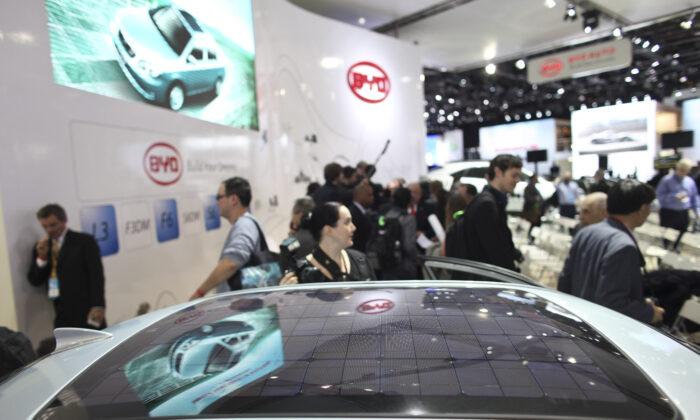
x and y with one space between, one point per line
376 306
369 82
163 164
551 67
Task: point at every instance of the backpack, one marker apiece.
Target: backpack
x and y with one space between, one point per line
455 239
384 244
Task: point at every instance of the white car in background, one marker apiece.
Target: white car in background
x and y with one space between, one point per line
474 172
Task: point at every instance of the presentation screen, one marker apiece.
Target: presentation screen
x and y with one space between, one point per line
537 155
677 139
625 133
193 57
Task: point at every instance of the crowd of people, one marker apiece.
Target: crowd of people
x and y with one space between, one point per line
352 229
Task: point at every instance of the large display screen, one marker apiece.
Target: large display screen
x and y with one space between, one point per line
625 133
193 57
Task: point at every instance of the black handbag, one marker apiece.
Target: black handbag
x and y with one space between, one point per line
262 268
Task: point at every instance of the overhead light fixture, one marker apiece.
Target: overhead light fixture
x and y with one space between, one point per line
490 68
570 13
655 48
634 71
687 24
507 117
438 98
520 64
646 44
550 3
561 91
617 32
590 20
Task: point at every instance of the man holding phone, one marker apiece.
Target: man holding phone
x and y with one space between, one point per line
69 266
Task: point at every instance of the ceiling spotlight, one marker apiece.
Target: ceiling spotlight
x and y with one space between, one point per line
538 114
520 64
683 79
687 24
477 111
655 64
550 3
561 91
451 100
647 97
583 106
490 68
463 82
517 117
646 44
628 79
528 115
590 20
637 40
486 102
507 117
570 13
634 99
548 113
634 71
617 32
438 98
655 48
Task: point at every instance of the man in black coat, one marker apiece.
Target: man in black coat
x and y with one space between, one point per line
363 198
69 266
332 190
486 233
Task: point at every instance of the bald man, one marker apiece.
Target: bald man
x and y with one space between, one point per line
593 210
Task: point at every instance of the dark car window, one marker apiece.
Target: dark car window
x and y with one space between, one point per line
494 352
168 22
479 172
197 54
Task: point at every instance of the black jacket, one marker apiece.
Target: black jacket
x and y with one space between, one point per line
80 276
486 230
363 228
330 192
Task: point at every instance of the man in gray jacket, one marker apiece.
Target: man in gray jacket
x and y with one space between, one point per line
605 264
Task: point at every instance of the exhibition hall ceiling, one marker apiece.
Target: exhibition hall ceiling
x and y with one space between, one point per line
457 38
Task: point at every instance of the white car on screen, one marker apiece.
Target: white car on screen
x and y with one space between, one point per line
474 172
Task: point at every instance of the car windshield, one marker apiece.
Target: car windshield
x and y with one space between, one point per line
375 350
167 20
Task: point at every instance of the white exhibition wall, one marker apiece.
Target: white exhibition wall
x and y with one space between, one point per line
518 138
691 122
626 133
318 101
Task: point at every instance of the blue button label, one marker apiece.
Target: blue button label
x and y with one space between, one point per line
166 220
101 222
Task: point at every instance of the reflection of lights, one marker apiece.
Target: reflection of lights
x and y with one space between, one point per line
591 383
528 337
331 62
283 92
525 362
571 360
415 412
434 340
489 348
509 313
484 310
343 313
369 390
544 334
326 386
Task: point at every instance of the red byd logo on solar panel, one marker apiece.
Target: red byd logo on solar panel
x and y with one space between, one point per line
163 164
369 82
189 317
375 306
551 67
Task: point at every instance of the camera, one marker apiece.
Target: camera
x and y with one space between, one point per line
305 272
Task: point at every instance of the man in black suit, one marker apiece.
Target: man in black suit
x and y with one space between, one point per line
487 237
69 266
421 208
363 198
332 189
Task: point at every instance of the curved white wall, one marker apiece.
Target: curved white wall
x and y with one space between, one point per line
83 150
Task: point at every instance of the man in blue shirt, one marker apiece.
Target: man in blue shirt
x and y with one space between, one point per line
568 192
677 193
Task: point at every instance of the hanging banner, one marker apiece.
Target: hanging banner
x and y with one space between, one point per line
579 62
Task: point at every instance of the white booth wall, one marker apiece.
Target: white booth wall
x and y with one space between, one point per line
691 122
86 152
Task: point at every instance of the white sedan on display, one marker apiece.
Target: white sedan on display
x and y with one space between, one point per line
504 348
474 172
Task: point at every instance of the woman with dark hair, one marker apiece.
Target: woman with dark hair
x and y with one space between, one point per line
332 227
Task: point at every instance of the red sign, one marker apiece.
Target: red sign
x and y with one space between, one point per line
163 164
369 82
375 306
551 67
